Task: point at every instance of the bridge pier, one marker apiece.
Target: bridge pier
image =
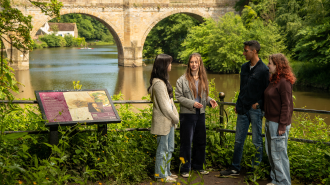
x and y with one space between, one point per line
132 55
18 60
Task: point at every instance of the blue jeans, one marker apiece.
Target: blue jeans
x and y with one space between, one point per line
276 149
164 154
243 122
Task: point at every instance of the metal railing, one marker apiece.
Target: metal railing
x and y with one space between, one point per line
221 103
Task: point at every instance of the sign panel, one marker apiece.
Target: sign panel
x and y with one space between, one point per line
72 107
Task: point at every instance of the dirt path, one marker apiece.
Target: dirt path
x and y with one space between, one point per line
213 178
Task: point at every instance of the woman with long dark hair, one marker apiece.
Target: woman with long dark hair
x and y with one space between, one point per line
192 92
278 112
164 116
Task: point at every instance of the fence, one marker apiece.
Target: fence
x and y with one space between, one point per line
221 103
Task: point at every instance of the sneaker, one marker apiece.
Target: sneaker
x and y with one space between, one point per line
185 174
271 183
166 179
174 176
203 172
230 171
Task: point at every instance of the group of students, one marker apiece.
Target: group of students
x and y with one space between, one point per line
264 91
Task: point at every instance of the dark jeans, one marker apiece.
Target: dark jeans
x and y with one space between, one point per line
192 130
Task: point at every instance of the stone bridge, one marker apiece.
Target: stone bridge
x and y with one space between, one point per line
129 21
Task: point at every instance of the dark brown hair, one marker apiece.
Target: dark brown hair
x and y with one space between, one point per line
159 70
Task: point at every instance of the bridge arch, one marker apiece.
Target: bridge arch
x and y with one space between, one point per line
103 19
193 13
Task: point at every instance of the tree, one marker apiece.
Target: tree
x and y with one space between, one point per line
221 43
87 26
314 42
15 28
168 35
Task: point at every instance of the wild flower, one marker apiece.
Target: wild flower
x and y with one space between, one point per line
20 182
182 160
156 175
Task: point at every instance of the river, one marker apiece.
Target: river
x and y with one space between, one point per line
56 68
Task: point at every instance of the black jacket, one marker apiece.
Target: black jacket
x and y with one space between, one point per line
253 84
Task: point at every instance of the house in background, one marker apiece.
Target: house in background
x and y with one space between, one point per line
60 29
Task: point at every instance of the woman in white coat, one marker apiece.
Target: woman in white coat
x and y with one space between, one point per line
164 116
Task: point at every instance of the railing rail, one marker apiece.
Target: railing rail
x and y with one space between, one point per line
146 102
221 129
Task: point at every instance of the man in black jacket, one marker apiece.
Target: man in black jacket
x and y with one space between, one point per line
249 105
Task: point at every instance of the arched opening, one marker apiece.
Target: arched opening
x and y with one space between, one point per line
107 24
56 68
166 33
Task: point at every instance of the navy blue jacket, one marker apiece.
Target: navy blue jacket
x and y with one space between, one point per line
252 87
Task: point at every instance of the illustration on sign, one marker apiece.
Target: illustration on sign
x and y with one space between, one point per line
76 106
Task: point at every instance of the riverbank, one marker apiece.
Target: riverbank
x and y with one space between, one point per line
51 41
312 74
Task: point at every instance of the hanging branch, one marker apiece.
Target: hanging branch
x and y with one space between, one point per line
15 25
1 58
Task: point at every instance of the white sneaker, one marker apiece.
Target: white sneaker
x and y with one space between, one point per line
203 172
271 183
185 174
174 176
166 179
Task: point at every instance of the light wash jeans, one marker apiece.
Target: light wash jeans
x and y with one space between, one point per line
276 149
164 154
243 122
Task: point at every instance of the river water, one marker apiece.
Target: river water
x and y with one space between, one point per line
56 68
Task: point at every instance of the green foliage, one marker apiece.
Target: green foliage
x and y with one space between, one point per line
87 26
53 41
167 36
39 45
312 74
221 44
129 157
15 28
59 41
314 44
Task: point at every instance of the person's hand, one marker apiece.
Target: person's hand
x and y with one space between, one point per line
235 110
213 103
254 106
280 132
198 105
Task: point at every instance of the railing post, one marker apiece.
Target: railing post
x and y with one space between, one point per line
53 135
103 130
222 124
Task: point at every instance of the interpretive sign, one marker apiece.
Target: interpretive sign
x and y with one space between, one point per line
72 107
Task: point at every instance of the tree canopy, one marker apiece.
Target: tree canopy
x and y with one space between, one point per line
87 26
168 35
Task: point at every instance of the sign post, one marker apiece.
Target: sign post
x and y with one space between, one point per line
68 108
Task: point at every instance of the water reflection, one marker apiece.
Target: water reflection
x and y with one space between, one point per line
130 83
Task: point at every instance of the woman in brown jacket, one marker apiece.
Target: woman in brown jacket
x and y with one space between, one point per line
278 112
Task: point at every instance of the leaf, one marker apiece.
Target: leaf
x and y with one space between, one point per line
14 135
25 147
9 79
